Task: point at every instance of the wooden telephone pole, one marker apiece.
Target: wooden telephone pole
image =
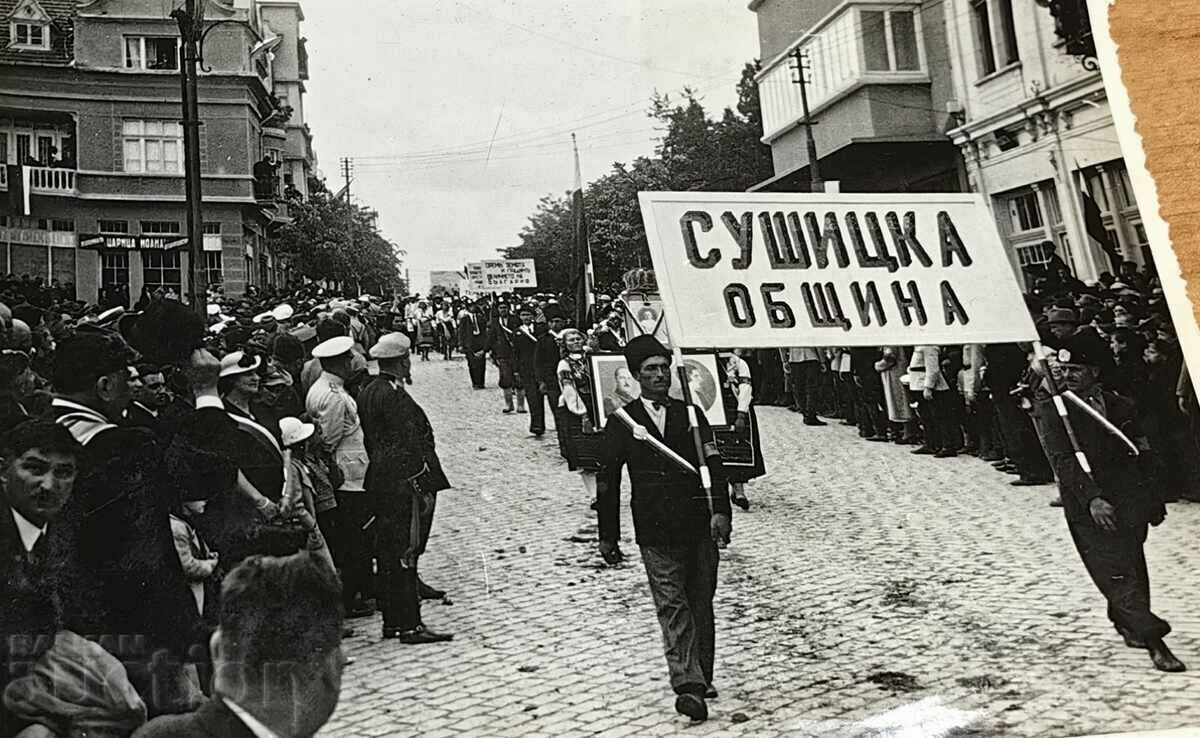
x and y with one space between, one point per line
816 184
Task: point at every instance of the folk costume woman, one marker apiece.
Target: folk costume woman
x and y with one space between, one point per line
737 391
581 438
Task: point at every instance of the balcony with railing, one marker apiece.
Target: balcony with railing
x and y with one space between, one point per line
858 44
45 180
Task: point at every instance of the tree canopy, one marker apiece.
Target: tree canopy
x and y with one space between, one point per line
339 241
696 153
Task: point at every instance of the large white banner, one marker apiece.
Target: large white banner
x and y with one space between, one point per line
765 270
501 275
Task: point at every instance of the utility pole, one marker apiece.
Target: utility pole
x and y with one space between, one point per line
816 184
190 22
347 171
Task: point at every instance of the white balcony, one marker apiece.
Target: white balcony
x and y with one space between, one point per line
45 180
856 44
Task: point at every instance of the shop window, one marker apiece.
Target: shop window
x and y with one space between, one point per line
161 269
212 267
114 268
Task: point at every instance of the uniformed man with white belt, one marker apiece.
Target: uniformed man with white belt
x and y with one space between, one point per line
336 414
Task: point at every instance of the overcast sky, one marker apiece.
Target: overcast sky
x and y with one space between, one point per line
415 91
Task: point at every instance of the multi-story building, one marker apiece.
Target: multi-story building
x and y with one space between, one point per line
90 97
878 89
1038 138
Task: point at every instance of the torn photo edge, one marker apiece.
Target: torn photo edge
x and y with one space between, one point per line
1174 282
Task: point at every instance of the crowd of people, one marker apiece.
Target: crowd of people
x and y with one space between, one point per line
185 491
169 474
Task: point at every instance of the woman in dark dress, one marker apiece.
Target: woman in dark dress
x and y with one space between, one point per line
231 524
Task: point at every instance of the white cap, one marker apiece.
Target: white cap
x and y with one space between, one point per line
263 317
213 308
237 363
283 311
333 347
293 431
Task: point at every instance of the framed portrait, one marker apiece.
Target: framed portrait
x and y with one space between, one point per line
644 316
613 385
703 380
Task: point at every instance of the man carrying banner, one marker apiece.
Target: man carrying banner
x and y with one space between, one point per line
676 524
1108 511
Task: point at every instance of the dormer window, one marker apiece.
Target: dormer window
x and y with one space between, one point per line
29 27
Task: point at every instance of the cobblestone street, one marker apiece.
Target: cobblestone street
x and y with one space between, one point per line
867 592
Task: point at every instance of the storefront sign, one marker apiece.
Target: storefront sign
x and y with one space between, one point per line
781 270
132 243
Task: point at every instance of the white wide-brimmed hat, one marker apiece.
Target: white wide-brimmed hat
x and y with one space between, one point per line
293 431
239 363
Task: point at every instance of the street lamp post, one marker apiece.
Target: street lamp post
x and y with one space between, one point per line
190 25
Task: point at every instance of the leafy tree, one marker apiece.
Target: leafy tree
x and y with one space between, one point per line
697 153
336 240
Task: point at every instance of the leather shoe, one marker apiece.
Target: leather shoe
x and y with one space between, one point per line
923 451
711 693
1056 502
945 454
1022 482
814 421
692 706
425 592
416 636
360 611
741 501
1162 657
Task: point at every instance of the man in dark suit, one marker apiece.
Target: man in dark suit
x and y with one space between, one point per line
501 335
129 586
40 464
472 338
525 345
277 654
677 525
1109 511
403 480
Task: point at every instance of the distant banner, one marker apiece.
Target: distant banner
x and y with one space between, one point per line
475 281
780 270
501 275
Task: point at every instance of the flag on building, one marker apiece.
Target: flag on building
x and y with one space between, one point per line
581 251
1093 221
18 182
